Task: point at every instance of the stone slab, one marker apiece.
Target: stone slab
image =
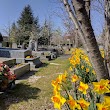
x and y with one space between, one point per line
14 53
23 69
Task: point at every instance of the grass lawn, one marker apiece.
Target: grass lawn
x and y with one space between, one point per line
34 93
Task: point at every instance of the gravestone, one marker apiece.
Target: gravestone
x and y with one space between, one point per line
14 45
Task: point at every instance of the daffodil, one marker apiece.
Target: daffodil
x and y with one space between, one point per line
103 106
86 58
83 104
70 68
72 103
56 92
101 87
87 70
82 67
56 84
107 100
58 101
75 78
64 76
83 87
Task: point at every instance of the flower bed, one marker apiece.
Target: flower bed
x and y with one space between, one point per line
78 89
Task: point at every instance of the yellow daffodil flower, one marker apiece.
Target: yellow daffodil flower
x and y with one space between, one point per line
82 67
70 68
64 76
56 84
107 100
87 70
72 103
103 106
75 78
83 104
101 87
83 87
58 101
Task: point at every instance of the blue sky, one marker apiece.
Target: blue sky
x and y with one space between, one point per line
10 11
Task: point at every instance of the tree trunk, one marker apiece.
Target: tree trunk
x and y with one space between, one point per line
107 34
94 52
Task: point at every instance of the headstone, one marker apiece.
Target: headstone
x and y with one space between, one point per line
14 45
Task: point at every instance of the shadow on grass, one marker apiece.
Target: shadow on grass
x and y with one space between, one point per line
20 93
44 65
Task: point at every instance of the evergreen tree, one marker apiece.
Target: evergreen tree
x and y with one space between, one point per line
26 19
25 23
